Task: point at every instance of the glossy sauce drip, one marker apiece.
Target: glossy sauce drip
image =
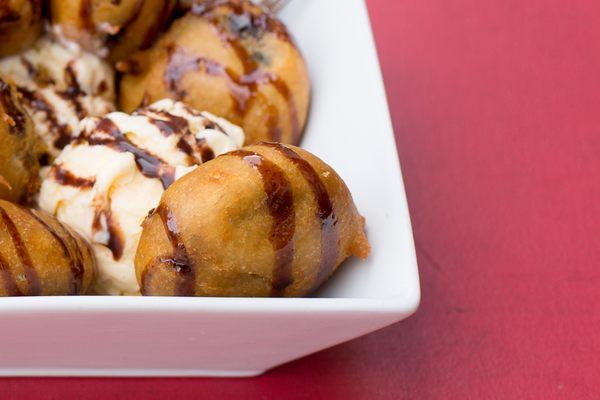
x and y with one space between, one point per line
85 15
244 88
170 124
65 177
71 251
187 148
17 118
197 149
249 20
154 29
31 274
325 212
167 124
31 69
206 152
178 261
280 202
148 164
73 91
73 88
116 238
61 133
40 79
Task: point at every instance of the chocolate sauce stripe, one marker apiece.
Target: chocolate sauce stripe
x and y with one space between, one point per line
37 102
85 15
325 211
243 88
67 178
148 164
253 75
280 202
168 124
185 285
22 253
116 241
75 258
154 29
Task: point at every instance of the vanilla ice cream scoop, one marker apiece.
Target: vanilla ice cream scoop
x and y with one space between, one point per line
60 84
107 180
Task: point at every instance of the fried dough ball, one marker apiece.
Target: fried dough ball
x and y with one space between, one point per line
266 220
39 256
20 25
231 58
20 148
108 26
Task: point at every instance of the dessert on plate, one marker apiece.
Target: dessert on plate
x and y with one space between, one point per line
148 188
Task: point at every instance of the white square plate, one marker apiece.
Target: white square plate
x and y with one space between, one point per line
350 129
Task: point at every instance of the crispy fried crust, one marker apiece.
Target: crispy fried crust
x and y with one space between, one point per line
267 220
20 148
20 25
41 256
121 27
231 58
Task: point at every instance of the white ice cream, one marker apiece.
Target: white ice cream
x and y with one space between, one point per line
101 188
60 84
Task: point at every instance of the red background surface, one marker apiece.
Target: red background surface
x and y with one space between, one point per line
496 107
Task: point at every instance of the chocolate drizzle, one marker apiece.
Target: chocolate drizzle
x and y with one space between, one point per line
197 149
65 177
71 251
116 239
280 203
85 15
14 116
179 260
37 102
148 164
154 29
31 70
30 273
244 20
325 211
167 124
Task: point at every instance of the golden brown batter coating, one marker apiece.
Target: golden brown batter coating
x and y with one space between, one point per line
20 25
119 26
20 148
39 256
231 58
266 220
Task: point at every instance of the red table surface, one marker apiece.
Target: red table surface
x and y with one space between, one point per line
496 107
